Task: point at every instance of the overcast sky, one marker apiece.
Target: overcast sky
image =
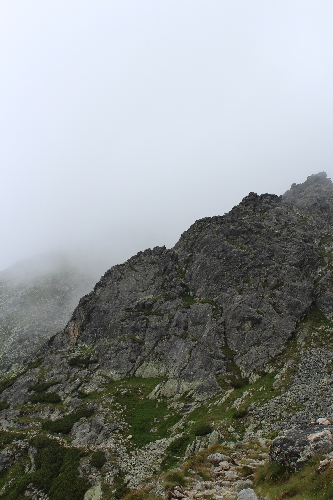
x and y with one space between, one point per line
122 122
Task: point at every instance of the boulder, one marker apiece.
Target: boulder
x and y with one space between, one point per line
247 494
294 447
216 458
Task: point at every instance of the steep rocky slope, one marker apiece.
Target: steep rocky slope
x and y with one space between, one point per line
233 286
178 355
37 297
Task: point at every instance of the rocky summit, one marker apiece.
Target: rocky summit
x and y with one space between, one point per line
176 372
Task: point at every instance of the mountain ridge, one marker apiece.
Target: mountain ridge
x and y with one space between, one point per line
177 370
230 276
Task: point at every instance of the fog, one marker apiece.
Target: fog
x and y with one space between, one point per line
122 122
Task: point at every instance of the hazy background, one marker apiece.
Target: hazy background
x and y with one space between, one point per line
122 122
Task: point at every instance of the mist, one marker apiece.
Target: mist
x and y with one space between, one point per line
123 122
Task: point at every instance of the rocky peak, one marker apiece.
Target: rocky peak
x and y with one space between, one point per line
314 196
195 354
232 290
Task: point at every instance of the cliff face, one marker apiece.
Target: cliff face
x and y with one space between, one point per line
230 293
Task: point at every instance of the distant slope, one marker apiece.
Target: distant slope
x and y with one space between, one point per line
37 297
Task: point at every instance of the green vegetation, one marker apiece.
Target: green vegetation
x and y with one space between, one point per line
148 419
46 397
41 386
202 429
119 487
7 382
56 473
174 478
8 437
41 395
81 361
4 405
64 425
188 300
279 482
35 364
98 459
143 494
175 451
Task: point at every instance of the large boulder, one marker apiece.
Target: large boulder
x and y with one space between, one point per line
294 447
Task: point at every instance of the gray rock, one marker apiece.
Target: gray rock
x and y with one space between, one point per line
216 458
5 458
295 447
92 432
247 494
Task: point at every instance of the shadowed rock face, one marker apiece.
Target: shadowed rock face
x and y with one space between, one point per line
231 291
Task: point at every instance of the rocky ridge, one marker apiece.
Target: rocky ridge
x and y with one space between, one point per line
233 286
212 347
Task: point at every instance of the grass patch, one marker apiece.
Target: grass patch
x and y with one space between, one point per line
202 429
174 478
8 437
279 482
45 397
143 494
120 489
64 425
148 419
7 382
175 451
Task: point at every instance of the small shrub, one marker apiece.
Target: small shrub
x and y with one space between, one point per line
174 478
57 470
41 386
121 489
141 495
203 429
46 397
8 437
240 413
174 451
288 494
273 472
238 383
188 300
35 364
178 446
81 361
98 459
4 405
245 471
64 425
5 383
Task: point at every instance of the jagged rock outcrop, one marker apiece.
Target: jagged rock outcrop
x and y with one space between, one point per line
231 290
